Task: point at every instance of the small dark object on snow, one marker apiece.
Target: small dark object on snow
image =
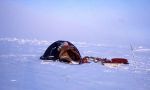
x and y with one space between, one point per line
85 60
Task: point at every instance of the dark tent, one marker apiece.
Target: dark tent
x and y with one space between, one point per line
52 52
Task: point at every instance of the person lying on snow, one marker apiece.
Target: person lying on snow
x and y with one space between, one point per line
65 51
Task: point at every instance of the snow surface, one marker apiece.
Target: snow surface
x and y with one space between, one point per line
21 68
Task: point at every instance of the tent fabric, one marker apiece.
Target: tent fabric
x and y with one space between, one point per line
52 52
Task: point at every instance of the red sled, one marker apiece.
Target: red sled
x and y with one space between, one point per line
119 60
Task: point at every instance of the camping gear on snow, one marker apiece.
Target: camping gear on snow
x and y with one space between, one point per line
65 51
54 50
105 60
111 63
